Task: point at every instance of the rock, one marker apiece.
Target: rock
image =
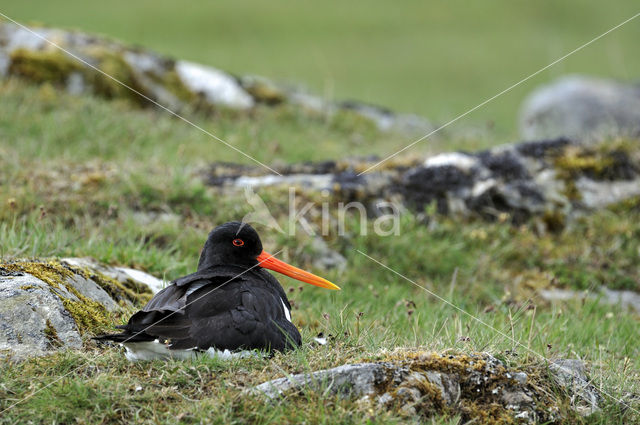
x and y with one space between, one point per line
621 299
351 380
387 120
548 180
176 85
48 305
571 375
217 87
324 258
123 275
428 383
33 319
262 90
596 194
583 109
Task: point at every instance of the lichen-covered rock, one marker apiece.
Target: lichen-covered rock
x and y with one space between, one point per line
152 79
582 108
48 305
33 319
571 374
214 85
477 386
547 180
351 380
622 299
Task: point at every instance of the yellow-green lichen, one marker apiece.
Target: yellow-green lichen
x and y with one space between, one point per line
123 293
52 335
90 316
482 380
112 63
172 82
577 161
265 92
42 65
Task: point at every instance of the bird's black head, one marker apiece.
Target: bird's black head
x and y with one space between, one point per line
238 244
231 243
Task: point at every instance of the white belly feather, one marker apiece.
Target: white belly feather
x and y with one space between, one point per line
155 350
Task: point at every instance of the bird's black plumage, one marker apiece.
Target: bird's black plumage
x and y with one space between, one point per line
229 303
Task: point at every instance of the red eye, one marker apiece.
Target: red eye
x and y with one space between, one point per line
238 242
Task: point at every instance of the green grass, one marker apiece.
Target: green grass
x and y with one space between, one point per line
437 59
88 177
84 177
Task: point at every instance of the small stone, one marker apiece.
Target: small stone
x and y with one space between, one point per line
520 377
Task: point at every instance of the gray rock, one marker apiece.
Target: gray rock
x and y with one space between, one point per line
93 291
307 181
623 299
214 85
351 380
121 274
154 78
571 374
447 384
33 320
552 179
599 194
324 258
583 109
400 385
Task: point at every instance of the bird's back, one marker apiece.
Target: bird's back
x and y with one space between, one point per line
220 308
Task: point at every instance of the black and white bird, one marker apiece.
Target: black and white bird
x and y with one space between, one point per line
230 306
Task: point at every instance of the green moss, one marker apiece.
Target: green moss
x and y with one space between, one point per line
631 204
52 335
576 162
112 63
172 82
124 293
613 161
90 316
265 92
347 120
42 66
481 384
602 162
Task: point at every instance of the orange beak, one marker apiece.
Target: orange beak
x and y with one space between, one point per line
268 261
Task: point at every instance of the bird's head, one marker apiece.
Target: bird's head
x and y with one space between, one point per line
239 244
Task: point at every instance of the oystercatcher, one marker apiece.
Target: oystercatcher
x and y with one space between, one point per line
231 305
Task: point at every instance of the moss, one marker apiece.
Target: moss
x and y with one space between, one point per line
42 66
349 121
52 335
577 161
481 380
264 92
172 82
90 316
122 292
631 204
598 163
112 63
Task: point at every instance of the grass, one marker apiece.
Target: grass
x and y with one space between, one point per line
436 59
89 177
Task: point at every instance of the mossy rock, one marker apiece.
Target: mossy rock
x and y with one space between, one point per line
42 66
93 299
477 386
